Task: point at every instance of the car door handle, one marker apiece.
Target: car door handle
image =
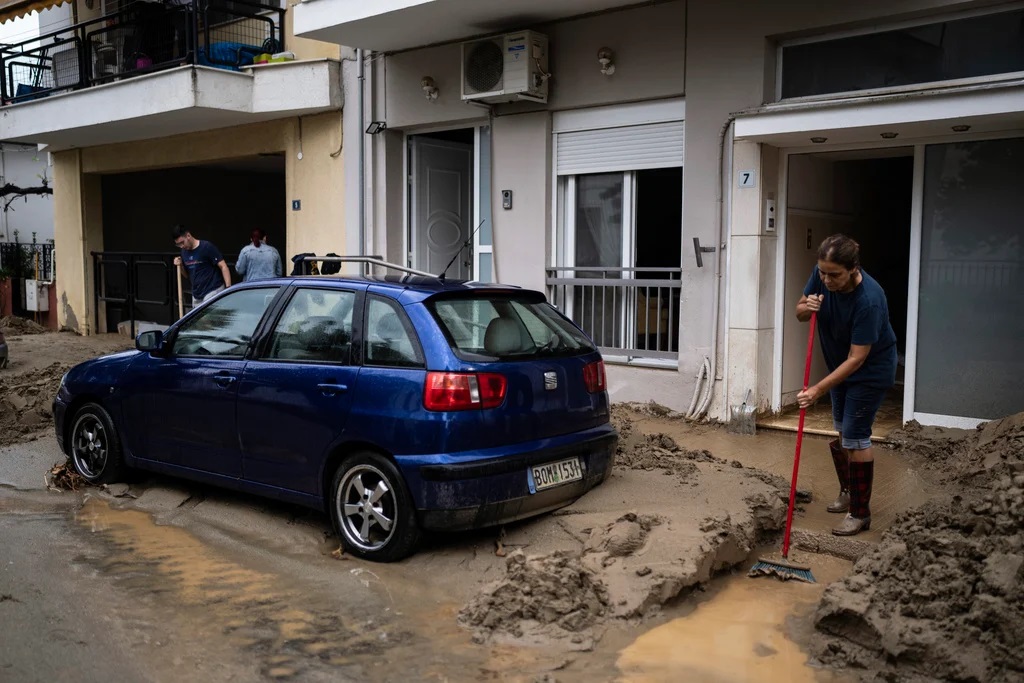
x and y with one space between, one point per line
328 389
224 380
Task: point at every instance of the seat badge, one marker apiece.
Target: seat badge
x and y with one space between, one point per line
550 381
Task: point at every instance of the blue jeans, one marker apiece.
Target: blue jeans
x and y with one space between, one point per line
853 412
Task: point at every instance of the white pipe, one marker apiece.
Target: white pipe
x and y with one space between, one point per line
362 153
716 302
696 387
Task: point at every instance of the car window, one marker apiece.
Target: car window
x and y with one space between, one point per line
390 340
225 327
499 326
316 326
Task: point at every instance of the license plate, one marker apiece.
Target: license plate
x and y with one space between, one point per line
555 474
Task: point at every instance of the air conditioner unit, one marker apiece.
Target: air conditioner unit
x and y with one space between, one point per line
506 68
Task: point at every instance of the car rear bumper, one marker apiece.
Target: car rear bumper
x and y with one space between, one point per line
465 493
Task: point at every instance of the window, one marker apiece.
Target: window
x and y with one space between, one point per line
315 327
621 246
225 327
389 336
948 50
485 327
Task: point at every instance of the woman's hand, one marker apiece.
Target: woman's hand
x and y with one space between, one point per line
813 302
807 397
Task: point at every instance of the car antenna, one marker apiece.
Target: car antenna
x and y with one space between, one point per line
469 241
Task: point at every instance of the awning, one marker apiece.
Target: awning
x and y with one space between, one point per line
12 9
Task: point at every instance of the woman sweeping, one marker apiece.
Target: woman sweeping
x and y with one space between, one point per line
859 346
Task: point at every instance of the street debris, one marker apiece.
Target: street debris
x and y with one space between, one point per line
62 477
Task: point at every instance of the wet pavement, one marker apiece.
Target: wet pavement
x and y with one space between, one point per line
188 581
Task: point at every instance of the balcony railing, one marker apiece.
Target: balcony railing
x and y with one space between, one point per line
145 37
629 312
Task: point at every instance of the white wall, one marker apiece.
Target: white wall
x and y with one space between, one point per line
22 165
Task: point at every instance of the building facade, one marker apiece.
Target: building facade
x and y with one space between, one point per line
671 186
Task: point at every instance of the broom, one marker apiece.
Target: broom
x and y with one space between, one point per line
784 569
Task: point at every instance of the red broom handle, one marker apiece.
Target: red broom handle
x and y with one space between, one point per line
799 440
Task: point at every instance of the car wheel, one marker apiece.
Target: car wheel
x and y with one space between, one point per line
95 445
371 509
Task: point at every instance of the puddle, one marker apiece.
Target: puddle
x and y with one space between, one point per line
738 633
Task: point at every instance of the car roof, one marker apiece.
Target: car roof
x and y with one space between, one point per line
425 286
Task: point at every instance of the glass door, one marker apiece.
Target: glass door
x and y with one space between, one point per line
970 328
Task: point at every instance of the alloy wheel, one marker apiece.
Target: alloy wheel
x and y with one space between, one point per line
90 446
367 507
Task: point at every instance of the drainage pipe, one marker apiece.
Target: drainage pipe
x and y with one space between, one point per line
363 153
716 301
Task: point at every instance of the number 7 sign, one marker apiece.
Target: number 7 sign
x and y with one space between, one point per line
746 179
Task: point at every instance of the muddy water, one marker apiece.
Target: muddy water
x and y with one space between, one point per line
745 630
222 601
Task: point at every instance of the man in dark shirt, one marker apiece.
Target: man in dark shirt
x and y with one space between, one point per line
204 265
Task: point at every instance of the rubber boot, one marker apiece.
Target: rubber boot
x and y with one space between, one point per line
862 476
841 460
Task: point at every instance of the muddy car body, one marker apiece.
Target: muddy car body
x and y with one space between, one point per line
394 404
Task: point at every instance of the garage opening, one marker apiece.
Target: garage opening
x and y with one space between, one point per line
221 202
868 195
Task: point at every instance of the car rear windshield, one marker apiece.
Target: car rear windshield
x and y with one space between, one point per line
492 326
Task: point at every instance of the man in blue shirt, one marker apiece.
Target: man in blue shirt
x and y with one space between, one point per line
859 346
204 265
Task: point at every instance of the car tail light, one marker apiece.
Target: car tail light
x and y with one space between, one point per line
464 391
593 376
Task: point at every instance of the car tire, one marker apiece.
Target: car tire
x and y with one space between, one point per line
371 509
95 446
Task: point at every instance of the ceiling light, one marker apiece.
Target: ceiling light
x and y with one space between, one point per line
818 140
889 136
961 128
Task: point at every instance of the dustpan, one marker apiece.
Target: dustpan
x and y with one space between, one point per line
742 420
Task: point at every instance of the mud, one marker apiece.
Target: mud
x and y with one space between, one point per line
37 363
25 402
941 597
632 566
966 457
13 325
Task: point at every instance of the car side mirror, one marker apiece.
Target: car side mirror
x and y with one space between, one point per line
151 341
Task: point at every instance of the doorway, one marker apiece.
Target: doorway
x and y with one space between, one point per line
868 195
441 202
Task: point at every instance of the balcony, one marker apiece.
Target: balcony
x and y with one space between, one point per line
155 70
389 25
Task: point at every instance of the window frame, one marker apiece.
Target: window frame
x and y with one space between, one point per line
263 348
407 325
255 339
883 28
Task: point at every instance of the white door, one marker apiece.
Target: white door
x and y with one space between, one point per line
441 206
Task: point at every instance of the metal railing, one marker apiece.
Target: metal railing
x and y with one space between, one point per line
987 275
627 312
134 286
31 261
143 38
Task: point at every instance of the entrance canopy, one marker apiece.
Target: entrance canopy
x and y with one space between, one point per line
921 114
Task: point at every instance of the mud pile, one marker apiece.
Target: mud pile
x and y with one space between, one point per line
959 456
13 325
942 597
703 517
25 402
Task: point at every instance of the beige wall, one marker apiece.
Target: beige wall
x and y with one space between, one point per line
649 47
316 179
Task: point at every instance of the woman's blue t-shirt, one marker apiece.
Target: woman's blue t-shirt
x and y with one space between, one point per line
859 317
202 267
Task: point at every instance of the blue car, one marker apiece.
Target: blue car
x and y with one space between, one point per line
394 404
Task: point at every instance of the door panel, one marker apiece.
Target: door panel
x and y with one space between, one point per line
441 206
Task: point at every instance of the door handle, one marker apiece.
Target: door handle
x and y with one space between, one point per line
224 380
328 389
